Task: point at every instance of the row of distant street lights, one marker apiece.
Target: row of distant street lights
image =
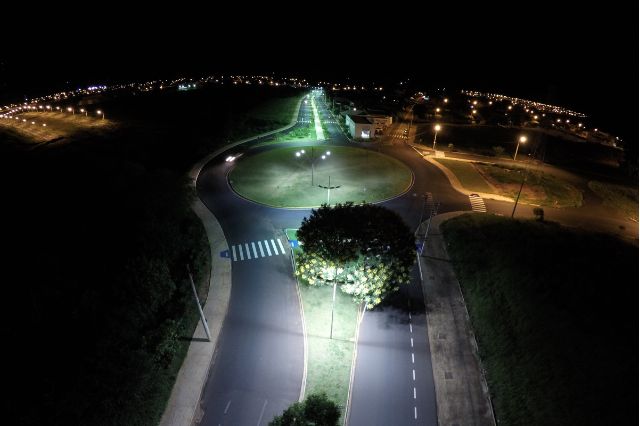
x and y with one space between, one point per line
49 108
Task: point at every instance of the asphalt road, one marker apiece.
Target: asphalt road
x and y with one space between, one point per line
257 371
258 368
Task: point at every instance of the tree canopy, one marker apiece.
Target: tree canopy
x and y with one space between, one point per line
316 410
365 248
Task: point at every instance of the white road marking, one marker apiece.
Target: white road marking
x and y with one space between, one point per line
262 412
266 245
477 204
413 358
246 246
414 393
275 249
410 328
415 412
412 342
240 250
227 407
260 247
409 316
233 248
281 247
255 253
414 374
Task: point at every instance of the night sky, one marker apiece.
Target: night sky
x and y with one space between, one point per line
581 57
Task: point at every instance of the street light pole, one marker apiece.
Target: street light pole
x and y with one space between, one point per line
519 191
435 136
333 304
522 139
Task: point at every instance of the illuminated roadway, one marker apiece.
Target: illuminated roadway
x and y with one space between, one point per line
258 366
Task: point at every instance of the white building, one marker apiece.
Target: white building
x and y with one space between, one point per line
360 127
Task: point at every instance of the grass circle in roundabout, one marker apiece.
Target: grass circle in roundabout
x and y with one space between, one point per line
280 178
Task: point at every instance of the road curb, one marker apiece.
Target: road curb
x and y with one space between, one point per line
347 408
304 325
183 406
455 182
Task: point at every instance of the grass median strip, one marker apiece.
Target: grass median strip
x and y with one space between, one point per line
540 188
329 360
467 175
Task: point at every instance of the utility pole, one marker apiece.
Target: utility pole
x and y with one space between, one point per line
333 304
519 191
195 294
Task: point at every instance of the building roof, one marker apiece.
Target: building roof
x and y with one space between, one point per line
360 119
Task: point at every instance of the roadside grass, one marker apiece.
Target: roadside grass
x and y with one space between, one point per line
467 175
110 279
540 188
278 178
618 197
329 360
554 313
277 111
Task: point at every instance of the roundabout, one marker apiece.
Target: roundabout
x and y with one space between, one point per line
308 176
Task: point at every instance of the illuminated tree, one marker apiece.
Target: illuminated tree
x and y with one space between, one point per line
366 249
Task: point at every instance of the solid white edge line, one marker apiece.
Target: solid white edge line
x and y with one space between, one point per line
262 412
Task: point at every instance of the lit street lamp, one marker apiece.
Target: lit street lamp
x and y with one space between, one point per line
522 139
302 152
71 110
436 128
83 110
100 112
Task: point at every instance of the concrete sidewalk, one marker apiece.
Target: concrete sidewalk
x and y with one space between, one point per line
183 407
462 396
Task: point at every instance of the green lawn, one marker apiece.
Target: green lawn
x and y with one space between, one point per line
622 198
554 313
279 178
540 188
467 175
329 360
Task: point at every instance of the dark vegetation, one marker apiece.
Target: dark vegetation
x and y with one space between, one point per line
554 312
98 309
315 410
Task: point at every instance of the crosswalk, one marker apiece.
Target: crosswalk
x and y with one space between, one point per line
399 135
477 204
257 249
